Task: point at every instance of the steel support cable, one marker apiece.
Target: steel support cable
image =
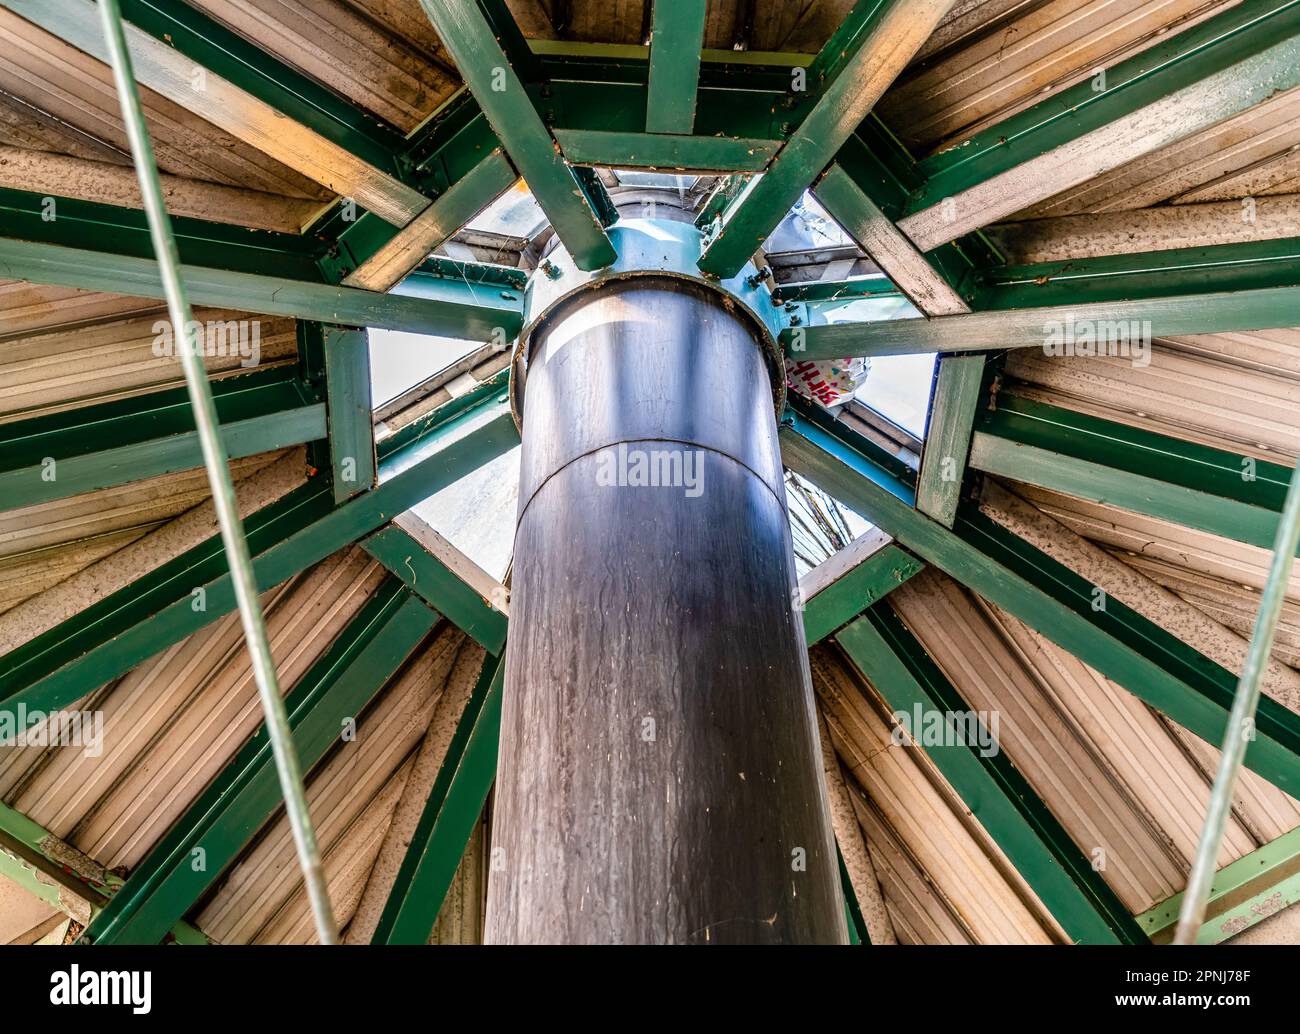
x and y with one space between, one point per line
1241 719
216 462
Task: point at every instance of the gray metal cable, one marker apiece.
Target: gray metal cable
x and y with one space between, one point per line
1240 730
216 462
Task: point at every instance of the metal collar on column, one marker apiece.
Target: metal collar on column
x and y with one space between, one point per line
650 247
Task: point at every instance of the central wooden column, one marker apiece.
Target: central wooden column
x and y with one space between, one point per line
659 777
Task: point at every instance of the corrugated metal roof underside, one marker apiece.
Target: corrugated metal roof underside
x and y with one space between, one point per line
1239 392
51 364
43 545
172 724
1015 54
382 55
943 879
1120 779
56 99
1236 392
64 350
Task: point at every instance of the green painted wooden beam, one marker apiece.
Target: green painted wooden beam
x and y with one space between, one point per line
454 806
1058 329
1139 276
1244 892
870 285
676 39
447 309
992 788
57 477
664 151
854 590
55 872
114 634
1189 81
433 580
204 842
1147 660
351 423
1194 485
864 55
509 109
947 439
95 226
64 454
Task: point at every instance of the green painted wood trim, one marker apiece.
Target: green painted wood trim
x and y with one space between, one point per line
95 226
1106 462
836 80
1055 327
509 109
446 309
857 925
43 482
677 37
351 423
947 439
866 584
152 434
665 152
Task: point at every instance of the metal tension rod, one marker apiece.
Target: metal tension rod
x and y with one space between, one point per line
223 491
1241 719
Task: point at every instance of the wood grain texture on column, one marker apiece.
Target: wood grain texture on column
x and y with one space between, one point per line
659 777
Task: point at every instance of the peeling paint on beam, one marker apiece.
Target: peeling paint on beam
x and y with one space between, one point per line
62 876
1244 892
947 440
